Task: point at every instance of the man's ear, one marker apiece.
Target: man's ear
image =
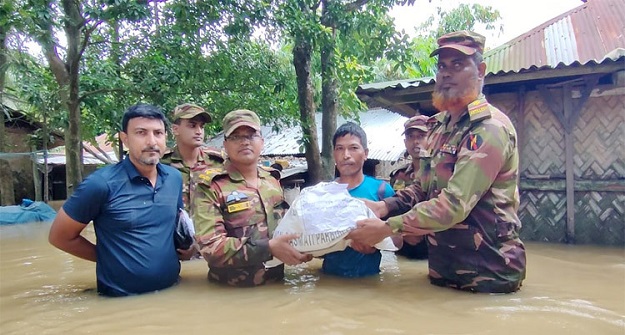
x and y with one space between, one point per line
124 137
174 129
481 70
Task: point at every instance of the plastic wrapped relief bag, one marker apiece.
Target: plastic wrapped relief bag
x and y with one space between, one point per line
184 231
323 215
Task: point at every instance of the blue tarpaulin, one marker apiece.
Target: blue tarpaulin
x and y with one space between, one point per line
28 211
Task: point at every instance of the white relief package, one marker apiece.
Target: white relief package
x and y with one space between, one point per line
323 215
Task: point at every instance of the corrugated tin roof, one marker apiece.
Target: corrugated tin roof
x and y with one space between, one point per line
399 84
592 32
56 156
60 159
383 127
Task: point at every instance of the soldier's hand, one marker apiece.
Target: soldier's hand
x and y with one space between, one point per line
283 250
370 232
378 207
185 255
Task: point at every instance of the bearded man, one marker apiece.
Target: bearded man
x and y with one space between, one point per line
465 195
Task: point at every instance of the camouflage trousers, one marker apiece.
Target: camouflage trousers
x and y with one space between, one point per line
246 276
494 263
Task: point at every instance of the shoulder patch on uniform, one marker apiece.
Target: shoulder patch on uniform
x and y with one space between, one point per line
273 172
208 175
474 142
479 109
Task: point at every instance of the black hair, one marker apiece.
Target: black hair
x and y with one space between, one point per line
350 128
143 110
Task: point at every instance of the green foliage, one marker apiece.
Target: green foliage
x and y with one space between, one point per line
112 10
9 15
410 57
222 55
37 87
465 17
38 92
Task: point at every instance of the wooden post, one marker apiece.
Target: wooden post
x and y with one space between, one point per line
568 114
521 124
567 102
36 177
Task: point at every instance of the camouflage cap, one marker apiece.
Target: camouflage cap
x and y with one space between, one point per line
416 122
189 111
464 41
239 118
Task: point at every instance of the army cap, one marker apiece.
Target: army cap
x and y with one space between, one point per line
464 41
189 111
416 122
239 118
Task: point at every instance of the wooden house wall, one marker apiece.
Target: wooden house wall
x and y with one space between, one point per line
22 166
599 163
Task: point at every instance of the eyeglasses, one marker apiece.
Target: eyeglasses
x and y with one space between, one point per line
241 138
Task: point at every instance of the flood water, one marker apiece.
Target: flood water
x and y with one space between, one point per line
568 290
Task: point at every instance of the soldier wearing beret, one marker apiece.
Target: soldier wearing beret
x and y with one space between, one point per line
466 193
189 154
236 209
415 132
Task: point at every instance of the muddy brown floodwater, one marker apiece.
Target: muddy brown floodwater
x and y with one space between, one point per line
569 290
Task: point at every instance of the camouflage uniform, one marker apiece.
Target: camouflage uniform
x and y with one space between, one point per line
234 223
209 158
406 176
466 194
402 177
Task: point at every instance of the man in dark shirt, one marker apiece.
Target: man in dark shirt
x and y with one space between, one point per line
133 206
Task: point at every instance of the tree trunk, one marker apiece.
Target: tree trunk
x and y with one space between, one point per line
329 97
7 191
302 54
116 58
73 147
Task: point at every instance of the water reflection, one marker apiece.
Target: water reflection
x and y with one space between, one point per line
569 290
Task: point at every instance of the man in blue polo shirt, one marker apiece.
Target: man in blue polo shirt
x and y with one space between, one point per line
133 206
350 153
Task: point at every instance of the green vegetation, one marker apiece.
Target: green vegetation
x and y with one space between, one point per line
285 59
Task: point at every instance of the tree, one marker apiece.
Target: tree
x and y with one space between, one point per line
8 19
410 57
201 52
196 55
356 32
209 52
78 25
332 29
7 192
